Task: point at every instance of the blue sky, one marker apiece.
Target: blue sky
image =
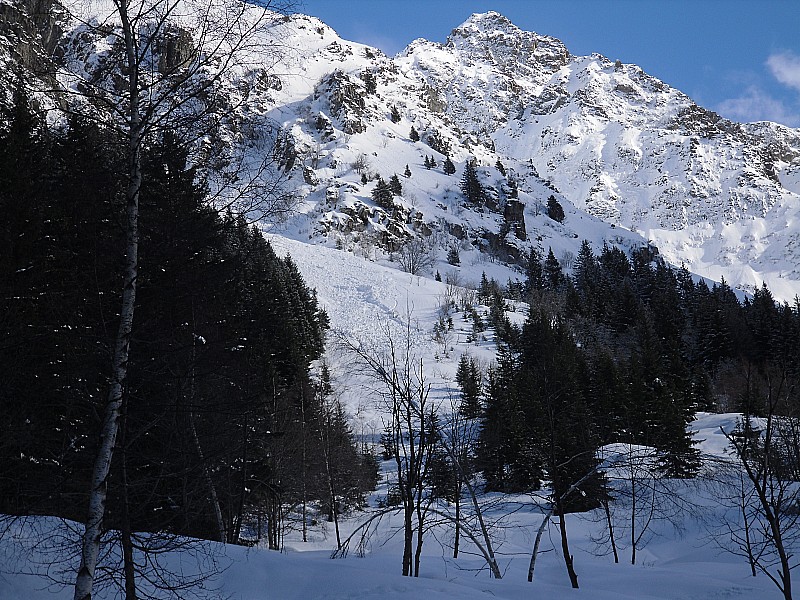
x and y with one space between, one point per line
740 58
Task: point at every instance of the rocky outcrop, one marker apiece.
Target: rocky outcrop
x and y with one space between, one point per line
345 96
514 218
175 49
30 31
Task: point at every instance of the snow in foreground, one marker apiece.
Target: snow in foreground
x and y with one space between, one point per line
678 562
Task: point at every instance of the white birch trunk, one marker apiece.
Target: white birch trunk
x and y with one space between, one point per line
90 548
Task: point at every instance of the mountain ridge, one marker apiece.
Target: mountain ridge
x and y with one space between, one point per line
633 160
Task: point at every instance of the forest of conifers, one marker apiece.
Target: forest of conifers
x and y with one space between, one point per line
223 422
624 349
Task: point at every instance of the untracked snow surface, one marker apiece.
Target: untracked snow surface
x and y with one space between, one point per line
680 561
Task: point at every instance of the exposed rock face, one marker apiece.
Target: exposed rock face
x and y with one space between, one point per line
310 177
346 100
514 217
29 33
175 49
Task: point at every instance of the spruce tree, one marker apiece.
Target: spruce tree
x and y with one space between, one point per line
448 167
552 275
554 374
395 186
407 172
413 135
554 209
471 186
534 281
394 114
506 455
382 194
468 377
453 256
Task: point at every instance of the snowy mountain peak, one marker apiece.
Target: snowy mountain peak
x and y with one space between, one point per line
493 38
618 148
603 136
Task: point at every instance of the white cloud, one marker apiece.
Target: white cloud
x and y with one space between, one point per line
756 105
785 67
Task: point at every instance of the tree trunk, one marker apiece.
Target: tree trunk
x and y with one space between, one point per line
495 569
562 526
538 541
746 523
610 524
125 533
90 549
458 518
212 490
408 538
418 551
333 513
236 528
303 470
633 520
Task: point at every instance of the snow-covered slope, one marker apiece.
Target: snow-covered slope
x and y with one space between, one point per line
631 159
625 147
602 137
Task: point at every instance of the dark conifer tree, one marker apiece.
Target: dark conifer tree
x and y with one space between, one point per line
413 135
607 390
554 209
383 195
533 273
469 379
448 167
223 340
453 256
615 263
471 186
506 455
554 375
761 317
586 281
395 186
552 274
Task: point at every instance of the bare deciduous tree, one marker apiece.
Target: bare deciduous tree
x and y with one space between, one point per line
417 255
405 389
770 498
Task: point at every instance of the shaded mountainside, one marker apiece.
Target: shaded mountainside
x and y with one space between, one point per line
630 159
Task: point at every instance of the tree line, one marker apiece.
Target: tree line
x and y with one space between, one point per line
623 349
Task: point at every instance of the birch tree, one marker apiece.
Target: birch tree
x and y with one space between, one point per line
164 62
